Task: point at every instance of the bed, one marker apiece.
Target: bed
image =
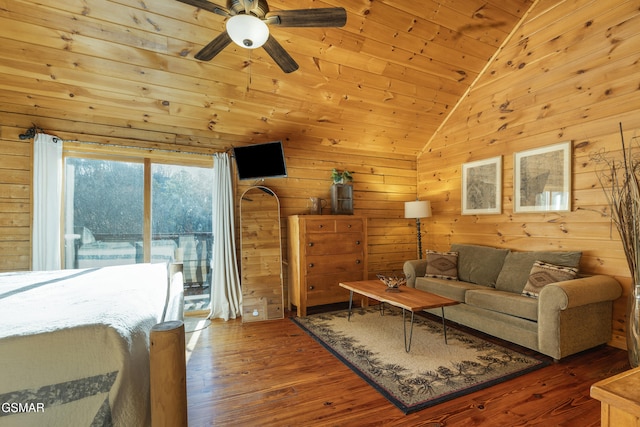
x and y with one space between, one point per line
74 344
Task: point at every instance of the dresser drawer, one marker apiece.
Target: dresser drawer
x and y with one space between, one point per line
349 225
327 264
330 244
327 225
325 288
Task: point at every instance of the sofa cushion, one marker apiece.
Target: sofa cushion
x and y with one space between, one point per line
517 267
479 264
503 302
544 273
452 289
442 265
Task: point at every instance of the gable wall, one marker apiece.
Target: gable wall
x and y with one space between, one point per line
571 72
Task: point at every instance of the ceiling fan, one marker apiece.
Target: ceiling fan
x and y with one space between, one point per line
248 22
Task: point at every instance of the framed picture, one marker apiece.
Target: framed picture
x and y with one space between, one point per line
482 187
542 179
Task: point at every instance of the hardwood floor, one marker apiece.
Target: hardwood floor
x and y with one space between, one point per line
273 374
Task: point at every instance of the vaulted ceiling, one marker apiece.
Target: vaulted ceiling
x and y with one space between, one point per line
384 82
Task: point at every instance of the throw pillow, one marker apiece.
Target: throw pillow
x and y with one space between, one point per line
479 264
517 266
543 273
442 265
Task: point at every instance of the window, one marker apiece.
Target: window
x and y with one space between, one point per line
113 216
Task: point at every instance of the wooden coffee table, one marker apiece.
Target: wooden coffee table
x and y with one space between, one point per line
407 298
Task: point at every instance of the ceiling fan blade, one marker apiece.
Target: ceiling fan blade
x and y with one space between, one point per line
214 47
279 55
203 4
323 17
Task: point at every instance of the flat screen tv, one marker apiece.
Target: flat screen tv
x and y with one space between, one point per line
260 161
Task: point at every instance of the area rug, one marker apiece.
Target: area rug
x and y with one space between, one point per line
372 345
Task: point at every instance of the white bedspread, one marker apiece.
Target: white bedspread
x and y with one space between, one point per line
74 345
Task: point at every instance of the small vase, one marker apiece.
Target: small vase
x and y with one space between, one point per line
633 326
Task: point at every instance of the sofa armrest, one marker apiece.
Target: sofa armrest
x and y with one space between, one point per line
575 315
578 292
414 268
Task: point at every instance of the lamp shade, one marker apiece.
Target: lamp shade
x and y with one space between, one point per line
417 209
247 31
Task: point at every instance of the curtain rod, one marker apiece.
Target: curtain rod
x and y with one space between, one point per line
133 147
32 131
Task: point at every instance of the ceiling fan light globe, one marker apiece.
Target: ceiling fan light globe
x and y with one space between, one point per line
247 31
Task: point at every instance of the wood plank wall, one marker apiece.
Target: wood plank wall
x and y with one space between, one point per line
382 183
571 72
15 200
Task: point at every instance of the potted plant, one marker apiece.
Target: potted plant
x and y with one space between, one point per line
343 177
620 180
341 192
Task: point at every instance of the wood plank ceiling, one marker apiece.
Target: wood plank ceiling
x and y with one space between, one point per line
383 83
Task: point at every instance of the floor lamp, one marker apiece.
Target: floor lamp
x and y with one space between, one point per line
418 209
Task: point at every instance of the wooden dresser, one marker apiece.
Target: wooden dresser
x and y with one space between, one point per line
323 251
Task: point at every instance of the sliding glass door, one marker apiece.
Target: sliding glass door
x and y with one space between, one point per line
132 211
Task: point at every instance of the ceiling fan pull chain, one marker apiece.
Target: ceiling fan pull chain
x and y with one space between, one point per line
249 75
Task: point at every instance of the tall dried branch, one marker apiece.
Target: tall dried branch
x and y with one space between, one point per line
620 180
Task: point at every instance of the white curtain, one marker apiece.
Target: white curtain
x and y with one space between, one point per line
226 295
47 201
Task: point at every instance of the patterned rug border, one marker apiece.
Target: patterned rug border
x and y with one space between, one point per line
541 362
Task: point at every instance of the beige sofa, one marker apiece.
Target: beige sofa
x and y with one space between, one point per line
566 317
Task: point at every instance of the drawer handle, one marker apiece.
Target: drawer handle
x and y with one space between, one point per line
311 288
310 244
357 242
321 226
349 226
310 265
357 261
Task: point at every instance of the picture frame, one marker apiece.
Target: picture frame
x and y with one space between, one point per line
482 187
542 179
